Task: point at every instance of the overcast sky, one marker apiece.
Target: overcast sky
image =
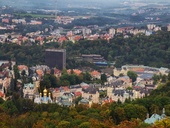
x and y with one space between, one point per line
62 3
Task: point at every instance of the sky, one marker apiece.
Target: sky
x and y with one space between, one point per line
64 3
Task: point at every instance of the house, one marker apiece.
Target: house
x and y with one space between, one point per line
34 22
58 92
22 68
77 94
127 81
18 21
122 94
76 88
40 73
6 82
77 38
5 20
29 90
151 26
86 102
65 100
148 32
91 93
92 37
107 100
57 72
62 39
44 68
164 71
2 91
95 74
75 71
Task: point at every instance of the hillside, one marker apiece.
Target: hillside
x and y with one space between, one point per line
151 50
24 113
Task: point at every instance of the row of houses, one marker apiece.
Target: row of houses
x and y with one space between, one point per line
117 87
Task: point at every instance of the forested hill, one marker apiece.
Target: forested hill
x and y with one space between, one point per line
151 50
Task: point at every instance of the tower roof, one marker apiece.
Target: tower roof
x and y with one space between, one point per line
45 90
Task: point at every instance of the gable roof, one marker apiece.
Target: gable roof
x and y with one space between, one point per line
22 67
153 119
95 73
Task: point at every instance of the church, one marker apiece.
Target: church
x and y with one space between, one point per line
44 97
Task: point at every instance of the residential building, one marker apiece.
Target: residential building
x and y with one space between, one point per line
95 74
29 90
151 26
91 93
22 68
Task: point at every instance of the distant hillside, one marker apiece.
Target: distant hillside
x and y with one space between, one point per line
151 50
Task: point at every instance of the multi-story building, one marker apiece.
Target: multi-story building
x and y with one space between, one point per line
92 58
55 58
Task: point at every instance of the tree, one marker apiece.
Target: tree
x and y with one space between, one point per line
64 124
87 76
156 78
103 78
84 125
23 73
132 75
16 72
164 123
163 79
168 76
9 107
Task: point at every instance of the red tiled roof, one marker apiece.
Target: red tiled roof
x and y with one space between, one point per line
76 71
1 94
77 38
39 72
108 100
66 88
57 71
22 67
77 93
95 73
85 87
62 39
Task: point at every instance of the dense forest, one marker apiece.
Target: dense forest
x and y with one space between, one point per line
151 50
23 113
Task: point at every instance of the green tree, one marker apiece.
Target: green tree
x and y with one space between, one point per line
9 107
168 77
103 78
132 75
16 72
64 124
84 125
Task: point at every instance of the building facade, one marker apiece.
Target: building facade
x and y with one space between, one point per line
55 58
